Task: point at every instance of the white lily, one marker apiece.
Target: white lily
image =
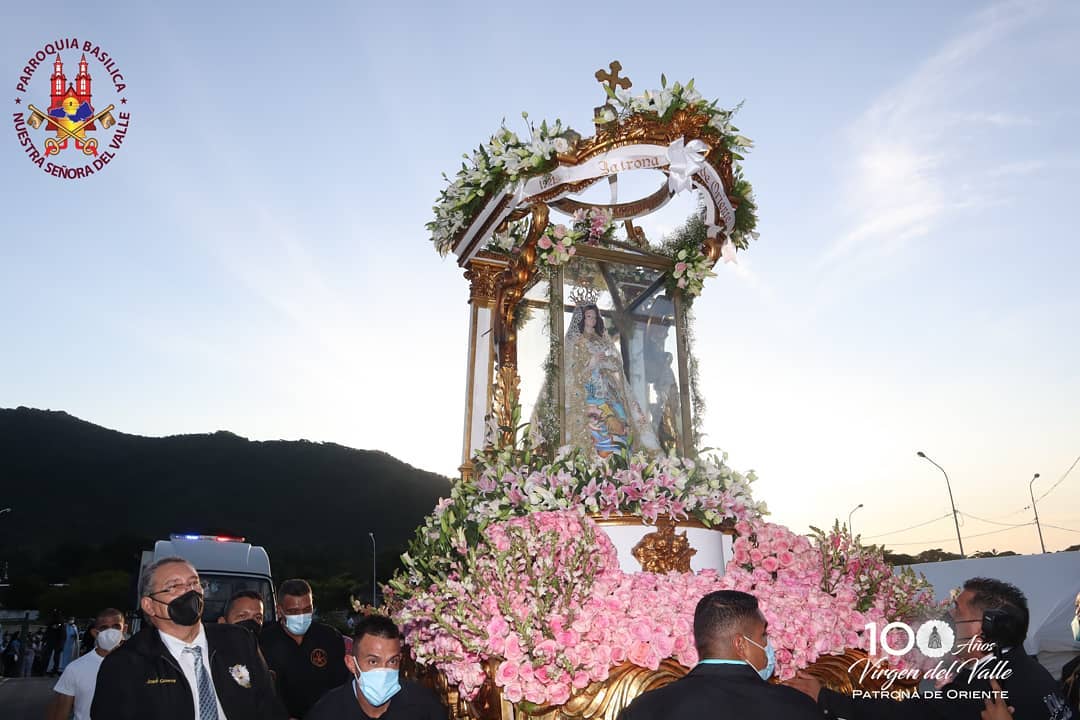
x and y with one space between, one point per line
662 100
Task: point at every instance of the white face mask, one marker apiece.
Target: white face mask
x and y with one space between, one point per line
109 638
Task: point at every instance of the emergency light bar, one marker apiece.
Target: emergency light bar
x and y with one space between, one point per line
216 538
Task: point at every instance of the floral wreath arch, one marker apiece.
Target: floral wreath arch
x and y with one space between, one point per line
499 200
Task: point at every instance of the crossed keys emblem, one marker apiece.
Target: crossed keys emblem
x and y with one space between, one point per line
89 145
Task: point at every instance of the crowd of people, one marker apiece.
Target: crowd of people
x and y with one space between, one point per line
241 667
178 666
46 651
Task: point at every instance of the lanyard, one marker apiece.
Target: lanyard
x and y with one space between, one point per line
721 661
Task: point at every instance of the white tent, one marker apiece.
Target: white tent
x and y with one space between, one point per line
1050 581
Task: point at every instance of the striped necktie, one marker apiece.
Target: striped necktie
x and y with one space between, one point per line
207 699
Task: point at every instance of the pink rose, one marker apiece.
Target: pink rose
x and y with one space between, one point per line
567 638
514 692
542 675
512 648
559 232
535 693
544 242
640 653
506 673
558 693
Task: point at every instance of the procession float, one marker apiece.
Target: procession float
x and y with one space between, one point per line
559 578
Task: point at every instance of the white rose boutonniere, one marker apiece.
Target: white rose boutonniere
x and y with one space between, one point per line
241 675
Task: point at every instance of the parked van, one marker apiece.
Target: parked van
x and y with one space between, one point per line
225 564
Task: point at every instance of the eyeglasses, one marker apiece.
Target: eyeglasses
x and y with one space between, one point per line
190 585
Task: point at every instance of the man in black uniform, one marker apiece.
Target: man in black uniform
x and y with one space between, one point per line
991 620
176 668
377 690
306 658
731 678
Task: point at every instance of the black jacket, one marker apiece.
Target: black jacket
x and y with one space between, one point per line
304 672
141 679
414 702
1032 691
729 691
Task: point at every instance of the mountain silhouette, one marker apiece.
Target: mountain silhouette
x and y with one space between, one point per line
73 485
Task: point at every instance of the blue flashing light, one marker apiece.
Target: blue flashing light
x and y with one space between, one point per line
216 538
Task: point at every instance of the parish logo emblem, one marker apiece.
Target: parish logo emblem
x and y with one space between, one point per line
78 130
318 657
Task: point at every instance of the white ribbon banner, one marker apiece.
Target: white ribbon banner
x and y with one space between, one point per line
680 159
624 159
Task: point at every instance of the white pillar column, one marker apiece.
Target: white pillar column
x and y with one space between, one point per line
483 274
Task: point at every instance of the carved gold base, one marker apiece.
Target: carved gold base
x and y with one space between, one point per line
604 700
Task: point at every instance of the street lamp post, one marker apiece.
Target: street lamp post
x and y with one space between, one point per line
374 582
849 518
948 485
1036 509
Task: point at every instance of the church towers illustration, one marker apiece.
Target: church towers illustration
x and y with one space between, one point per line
60 90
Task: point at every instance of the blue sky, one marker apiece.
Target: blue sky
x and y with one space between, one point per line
255 258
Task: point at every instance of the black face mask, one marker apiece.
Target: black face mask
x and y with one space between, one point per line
187 609
251 624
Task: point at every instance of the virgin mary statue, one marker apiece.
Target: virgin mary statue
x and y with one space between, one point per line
602 413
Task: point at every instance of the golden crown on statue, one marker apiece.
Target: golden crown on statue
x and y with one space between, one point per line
584 296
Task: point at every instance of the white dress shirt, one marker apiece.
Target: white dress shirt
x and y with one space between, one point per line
186 661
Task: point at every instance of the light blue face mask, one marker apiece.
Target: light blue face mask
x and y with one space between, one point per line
1076 628
378 686
298 624
770 659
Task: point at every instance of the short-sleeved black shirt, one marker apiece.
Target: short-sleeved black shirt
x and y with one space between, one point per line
413 702
304 673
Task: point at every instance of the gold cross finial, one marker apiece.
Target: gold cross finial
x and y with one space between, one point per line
612 78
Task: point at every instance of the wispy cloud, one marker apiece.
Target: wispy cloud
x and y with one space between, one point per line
1023 167
907 167
996 119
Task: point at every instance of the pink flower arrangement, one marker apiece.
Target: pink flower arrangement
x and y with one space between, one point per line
548 603
556 245
511 574
691 269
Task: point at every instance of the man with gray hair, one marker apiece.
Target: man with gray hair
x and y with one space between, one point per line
177 668
731 678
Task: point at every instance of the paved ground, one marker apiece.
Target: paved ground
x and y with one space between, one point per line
25 698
